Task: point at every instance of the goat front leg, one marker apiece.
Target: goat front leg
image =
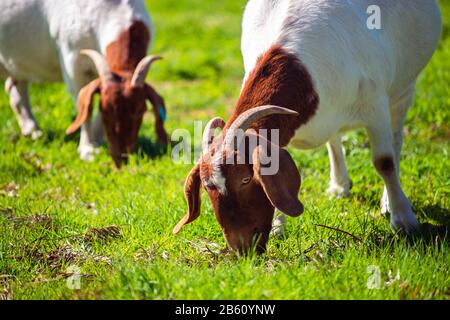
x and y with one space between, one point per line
340 183
20 103
86 149
75 79
279 225
384 160
399 110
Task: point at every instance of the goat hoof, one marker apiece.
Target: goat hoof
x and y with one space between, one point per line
384 203
30 129
87 153
339 191
384 207
278 232
406 222
278 229
36 134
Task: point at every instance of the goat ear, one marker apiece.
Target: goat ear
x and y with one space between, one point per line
84 105
192 194
159 109
283 187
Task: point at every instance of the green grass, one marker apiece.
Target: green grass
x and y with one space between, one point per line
200 77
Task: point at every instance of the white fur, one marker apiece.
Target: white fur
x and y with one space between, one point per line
217 177
279 225
339 181
364 78
40 41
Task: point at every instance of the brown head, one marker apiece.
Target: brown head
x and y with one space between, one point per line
123 97
243 194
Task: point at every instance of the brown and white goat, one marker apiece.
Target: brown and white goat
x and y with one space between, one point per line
48 41
312 77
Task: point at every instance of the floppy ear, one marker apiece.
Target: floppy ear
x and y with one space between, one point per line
159 109
84 105
282 188
192 194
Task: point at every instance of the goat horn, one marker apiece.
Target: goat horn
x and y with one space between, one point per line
103 69
141 71
246 119
208 133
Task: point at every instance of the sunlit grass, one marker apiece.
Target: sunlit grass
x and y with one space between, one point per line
200 78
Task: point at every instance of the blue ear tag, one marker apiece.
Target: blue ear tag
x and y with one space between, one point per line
162 113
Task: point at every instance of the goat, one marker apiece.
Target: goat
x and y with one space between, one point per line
313 71
49 41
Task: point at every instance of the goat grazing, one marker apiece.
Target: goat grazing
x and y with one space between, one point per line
313 71
48 41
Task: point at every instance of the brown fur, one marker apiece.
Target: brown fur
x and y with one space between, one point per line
124 54
192 194
279 79
385 165
84 104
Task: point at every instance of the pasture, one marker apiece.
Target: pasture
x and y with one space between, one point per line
76 230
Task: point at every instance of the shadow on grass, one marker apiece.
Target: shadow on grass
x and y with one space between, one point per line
50 136
429 235
434 235
434 229
72 137
435 213
440 230
145 147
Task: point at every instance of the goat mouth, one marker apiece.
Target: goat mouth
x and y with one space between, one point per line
258 244
120 160
259 249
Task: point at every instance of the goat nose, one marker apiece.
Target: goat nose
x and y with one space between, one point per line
117 162
124 158
245 249
255 242
121 159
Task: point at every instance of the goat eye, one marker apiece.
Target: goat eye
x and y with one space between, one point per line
246 180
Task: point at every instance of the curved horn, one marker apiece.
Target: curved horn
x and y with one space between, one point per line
208 133
246 119
141 71
103 69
